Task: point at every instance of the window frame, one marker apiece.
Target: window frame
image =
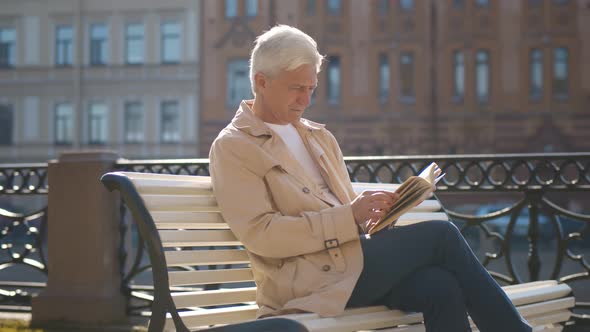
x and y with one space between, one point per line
176 37
483 99
130 38
334 89
99 47
9 131
10 46
64 46
133 130
234 84
561 95
535 64
384 83
68 124
165 136
410 67
234 13
458 69
99 140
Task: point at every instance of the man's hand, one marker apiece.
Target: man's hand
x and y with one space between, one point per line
371 206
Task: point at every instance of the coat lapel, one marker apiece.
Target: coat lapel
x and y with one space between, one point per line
280 154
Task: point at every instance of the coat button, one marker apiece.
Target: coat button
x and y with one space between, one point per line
326 268
306 190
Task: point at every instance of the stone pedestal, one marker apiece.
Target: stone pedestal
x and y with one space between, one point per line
84 284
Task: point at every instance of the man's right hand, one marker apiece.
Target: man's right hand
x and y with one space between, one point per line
372 205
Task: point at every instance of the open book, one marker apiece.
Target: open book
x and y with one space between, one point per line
411 193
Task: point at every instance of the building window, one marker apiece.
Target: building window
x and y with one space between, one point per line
64 123
482 3
535 3
134 43
251 8
310 7
458 76
6 124
63 45
560 72
383 7
384 78
7 47
231 8
333 73
170 122
170 42
98 44
97 123
458 4
238 82
406 70
406 5
334 7
561 2
482 76
133 122
536 74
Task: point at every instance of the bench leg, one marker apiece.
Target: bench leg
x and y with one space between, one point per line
262 325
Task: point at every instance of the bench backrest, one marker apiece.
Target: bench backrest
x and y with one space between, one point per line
207 265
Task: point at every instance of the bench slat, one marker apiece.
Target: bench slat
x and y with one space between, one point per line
381 319
214 220
206 257
180 203
188 220
139 178
411 217
551 318
198 238
203 277
194 319
214 297
538 295
542 308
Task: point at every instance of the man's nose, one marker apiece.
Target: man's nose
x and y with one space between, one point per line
304 98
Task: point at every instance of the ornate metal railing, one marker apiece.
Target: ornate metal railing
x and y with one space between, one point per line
530 179
22 235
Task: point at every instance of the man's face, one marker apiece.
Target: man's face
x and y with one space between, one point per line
284 97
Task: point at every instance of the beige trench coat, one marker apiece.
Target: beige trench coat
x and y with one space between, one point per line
305 253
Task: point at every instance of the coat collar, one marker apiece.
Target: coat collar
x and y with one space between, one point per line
246 121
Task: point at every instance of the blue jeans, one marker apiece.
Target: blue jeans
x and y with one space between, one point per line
428 267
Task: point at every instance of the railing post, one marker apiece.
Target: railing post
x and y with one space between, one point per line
534 261
84 282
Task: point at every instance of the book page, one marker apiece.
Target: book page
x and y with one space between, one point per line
413 191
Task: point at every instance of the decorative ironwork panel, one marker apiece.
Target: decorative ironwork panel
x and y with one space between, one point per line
23 179
554 172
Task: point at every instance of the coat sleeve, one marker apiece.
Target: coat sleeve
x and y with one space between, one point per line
247 207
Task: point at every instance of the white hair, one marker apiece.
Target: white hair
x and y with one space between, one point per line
283 48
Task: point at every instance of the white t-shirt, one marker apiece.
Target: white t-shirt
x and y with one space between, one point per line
291 137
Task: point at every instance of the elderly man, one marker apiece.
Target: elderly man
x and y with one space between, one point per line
284 190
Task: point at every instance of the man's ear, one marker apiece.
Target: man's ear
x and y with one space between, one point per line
261 81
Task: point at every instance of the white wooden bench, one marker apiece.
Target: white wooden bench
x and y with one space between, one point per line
178 217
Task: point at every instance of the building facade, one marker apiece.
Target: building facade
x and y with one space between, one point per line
155 79
86 74
417 77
